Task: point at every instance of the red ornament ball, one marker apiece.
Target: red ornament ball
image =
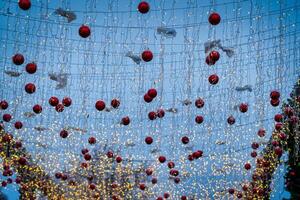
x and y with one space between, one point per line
185 140
214 18
84 31
247 166
147 98
152 115
261 132
171 164
199 103
92 140
87 156
142 186
53 101
18 125
110 154
160 113
59 107
278 151
278 117
37 109
125 120
3 105
115 103
254 145
67 101
274 94
152 93
6 117
253 154
278 126
243 107
118 159
18 59
24 4
231 191
214 56
149 171
166 195
100 105
30 88
84 151
154 180
143 7
209 61
147 56
176 180
213 79
162 159
199 119
174 172
230 120
148 140
31 68
274 102
64 134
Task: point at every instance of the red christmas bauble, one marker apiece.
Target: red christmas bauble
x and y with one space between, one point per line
84 151
152 93
149 171
87 156
274 94
199 103
282 136
59 107
176 180
214 56
84 31
147 98
160 113
162 159
185 140
92 140
213 79
209 61
199 119
142 186
278 151
18 125
278 117
143 7
253 154
6 117
31 68
147 56
174 172
24 4
274 102
110 154
53 101
166 195
100 105
152 115
125 120
171 164
118 159
22 161
254 145
67 101
18 59
275 143
148 140
214 18
115 103
230 120
247 166
261 132
30 88
243 107
278 126
3 105
64 134
190 157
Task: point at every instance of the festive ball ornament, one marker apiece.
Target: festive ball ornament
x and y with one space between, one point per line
278 117
18 125
22 161
53 101
275 143
118 159
160 113
110 154
147 98
24 4
274 102
152 115
154 180
162 159
84 31
148 140
3 105
174 172
147 56
152 93
166 195
214 56
67 101
199 103
199 119
18 59
253 154
254 145
278 151
143 7
185 140
274 94
213 79
87 156
30 88
282 136
261 132
149 171
92 140
31 68
64 134
231 120
59 107
278 126
243 107
247 166
84 151
125 120
100 105
176 180
6 117
171 164
142 186
214 18
115 103
209 61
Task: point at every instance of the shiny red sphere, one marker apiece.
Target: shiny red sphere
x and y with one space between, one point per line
162 159
160 113
118 159
147 98
214 56
230 120
92 140
18 59
209 61
64 134
185 140
142 186
247 166
261 132
24 4
30 88
115 103
31 68
110 154
199 119
152 93
213 79
143 7
53 101
84 31
274 94
199 103
274 102
59 107
152 115
171 164
147 56
67 101
100 105
125 120
6 117
87 156
214 18
278 117
243 107
148 140
18 125
37 109
22 161
3 105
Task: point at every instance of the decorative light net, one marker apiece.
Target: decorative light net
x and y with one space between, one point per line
262 34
